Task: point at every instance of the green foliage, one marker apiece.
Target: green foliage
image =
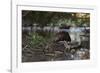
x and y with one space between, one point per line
43 18
37 41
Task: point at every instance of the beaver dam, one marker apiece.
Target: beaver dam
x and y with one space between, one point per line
55 36
60 45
